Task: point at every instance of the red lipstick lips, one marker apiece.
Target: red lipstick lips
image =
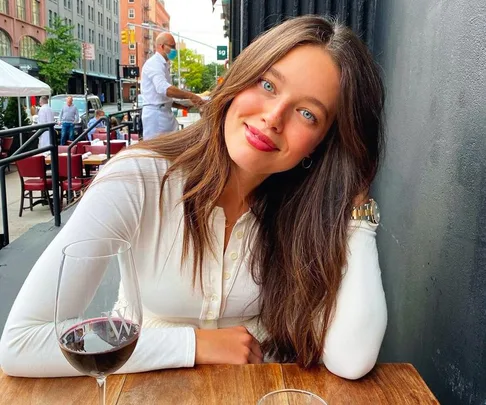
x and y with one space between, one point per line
259 140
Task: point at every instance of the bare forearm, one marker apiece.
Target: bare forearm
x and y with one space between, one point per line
175 92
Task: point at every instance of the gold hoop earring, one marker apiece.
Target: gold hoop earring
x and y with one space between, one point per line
307 162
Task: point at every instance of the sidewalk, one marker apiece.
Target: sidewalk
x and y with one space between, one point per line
18 225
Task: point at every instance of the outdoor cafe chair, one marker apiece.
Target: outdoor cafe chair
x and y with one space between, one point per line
6 143
64 149
78 181
32 173
95 149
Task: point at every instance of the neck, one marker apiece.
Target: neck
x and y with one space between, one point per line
234 199
163 55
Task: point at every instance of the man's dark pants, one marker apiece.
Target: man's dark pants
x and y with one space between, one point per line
67 130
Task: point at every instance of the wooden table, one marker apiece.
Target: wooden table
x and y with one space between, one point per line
391 384
94 160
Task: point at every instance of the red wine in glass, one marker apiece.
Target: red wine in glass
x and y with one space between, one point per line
99 347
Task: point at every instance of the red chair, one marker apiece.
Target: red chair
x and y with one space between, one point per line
64 149
95 149
100 133
116 147
78 181
34 168
6 145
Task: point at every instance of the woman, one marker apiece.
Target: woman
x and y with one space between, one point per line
241 224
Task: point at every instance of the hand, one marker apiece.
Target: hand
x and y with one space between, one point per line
227 346
197 101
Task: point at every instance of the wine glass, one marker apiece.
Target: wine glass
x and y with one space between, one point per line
291 397
98 315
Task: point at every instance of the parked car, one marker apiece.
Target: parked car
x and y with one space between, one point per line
85 111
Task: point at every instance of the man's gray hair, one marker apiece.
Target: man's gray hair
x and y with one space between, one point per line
44 100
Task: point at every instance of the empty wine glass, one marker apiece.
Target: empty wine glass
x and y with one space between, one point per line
291 397
98 314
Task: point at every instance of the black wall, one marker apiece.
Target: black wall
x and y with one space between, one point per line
251 17
432 191
432 186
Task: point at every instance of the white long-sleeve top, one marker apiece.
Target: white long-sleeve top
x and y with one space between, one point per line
155 80
124 203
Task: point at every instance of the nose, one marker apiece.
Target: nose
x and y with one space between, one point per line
274 115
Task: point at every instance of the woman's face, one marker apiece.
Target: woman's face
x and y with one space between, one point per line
271 126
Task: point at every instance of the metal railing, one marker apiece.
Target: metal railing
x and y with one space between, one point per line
131 125
20 154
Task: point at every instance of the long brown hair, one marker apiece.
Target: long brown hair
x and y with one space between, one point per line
300 244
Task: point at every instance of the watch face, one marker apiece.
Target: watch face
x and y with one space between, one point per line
375 212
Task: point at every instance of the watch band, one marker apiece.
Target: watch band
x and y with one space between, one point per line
368 211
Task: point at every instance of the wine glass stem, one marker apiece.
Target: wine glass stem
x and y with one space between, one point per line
102 389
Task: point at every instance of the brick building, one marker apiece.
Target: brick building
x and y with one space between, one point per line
21 28
146 16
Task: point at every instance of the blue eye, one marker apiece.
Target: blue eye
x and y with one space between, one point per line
266 85
308 115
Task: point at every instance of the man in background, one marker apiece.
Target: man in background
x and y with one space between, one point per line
68 116
157 90
44 116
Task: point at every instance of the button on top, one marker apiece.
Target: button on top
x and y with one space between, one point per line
226 275
214 297
239 234
210 316
234 256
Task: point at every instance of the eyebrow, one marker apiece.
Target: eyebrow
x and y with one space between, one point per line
310 99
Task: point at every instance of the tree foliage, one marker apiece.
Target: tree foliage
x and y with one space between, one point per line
58 55
191 70
209 75
195 76
11 114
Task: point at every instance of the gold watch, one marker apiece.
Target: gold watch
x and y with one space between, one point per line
368 211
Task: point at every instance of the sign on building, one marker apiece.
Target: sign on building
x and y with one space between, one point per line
222 52
88 51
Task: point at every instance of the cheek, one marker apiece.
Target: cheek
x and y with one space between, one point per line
303 143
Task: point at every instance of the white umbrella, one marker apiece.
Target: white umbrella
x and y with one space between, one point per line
15 83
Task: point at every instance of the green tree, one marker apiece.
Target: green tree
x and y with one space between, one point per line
209 76
192 70
58 55
11 114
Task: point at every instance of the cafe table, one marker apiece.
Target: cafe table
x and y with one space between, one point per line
387 383
91 160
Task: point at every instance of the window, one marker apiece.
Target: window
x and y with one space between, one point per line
5 44
65 3
28 47
82 7
131 60
77 6
131 13
131 46
108 4
99 62
50 18
4 6
131 1
115 7
107 25
21 9
55 15
82 31
79 30
69 4
115 27
35 12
